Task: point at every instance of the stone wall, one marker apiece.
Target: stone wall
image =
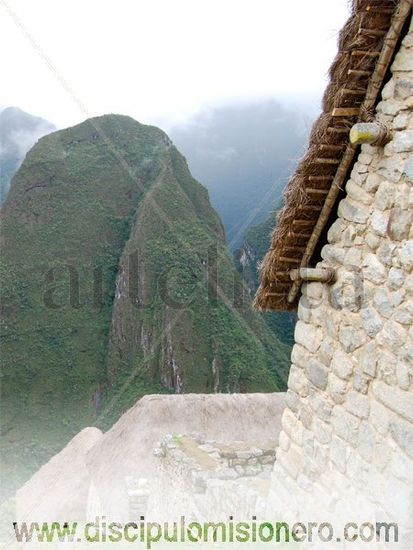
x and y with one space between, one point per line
210 481
346 447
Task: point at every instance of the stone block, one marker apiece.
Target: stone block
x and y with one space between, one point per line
353 256
288 421
402 433
405 255
313 291
374 270
404 314
317 373
403 61
357 193
335 231
345 425
357 403
402 467
372 322
353 212
372 182
297 381
351 339
366 442
403 88
379 417
402 196
292 399
337 388
342 365
385 252
403 141
308 336
391 168
322 431
389 107
304 310
326 351
284 441
394 398
403 376
379 221
349 236
361 382
386 367
395 278
372 240
408 169
401 121
291 461
321 406
367 358
384 196
333 254
300 355
393 335
339 451
400 223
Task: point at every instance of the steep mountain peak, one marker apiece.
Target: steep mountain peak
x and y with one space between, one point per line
117 283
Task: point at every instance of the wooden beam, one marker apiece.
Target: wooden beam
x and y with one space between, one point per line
349 91
359 73
374 133
371 32
337 130
309 207
302 222
345 111
289 260
282 274
328 147
321 192
299 235
293 248
384 10
363 53
311 274
326 161
399 18
320 178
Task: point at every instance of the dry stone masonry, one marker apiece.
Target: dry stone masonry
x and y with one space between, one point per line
347 438
210 479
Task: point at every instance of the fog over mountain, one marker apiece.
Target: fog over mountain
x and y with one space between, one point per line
19 131
244 154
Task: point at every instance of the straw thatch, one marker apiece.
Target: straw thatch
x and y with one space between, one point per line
366 46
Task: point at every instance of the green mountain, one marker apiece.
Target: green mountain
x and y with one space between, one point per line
18 132
116 282
247 259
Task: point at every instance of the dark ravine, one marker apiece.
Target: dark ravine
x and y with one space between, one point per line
106 252
247 259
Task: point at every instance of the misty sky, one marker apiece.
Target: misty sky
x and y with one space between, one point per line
161 61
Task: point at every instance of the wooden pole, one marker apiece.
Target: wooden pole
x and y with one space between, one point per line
373 90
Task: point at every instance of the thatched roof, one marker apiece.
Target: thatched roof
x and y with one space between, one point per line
366 46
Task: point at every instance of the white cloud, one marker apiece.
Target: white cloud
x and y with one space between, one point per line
161 61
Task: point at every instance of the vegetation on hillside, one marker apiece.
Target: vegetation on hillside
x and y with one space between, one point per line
76 349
